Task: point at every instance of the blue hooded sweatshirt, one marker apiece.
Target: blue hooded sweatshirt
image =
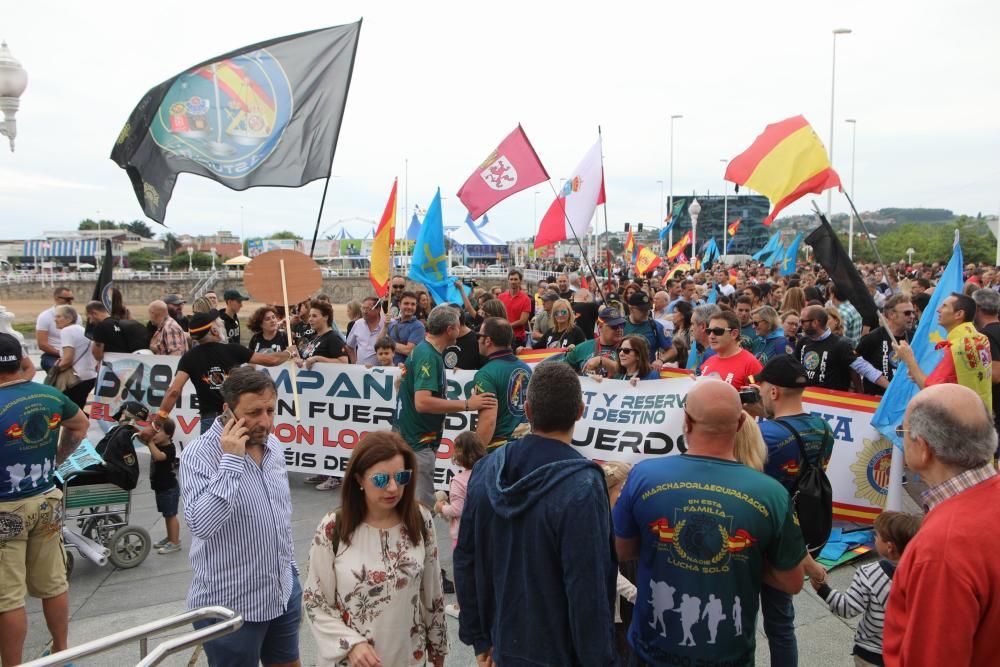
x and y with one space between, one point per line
535 567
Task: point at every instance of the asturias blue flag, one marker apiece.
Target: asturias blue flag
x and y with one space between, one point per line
711 253
902 389
429 264
776 255
790 262
773 244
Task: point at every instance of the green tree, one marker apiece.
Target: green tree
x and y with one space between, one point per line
200 260
615 245
171 244
140 260
286 235
139 228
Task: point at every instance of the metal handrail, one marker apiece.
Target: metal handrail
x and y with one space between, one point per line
141 633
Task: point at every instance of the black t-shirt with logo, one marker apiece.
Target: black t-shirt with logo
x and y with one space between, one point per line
208 365
554 339
876 349
586 317
302 333
232 326
120 335
828 361
327 345
276 344
468 356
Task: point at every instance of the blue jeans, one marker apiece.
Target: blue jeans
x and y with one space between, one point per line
48 360
205 422
271 642
779 626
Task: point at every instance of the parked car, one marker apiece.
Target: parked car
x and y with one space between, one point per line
461 270
496 270
329 273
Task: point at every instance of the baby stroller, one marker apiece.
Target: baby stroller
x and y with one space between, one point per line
98 483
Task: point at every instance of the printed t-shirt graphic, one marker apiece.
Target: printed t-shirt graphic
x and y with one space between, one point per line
424 371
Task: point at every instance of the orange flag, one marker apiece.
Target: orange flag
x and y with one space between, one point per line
678 247
647 260
385 237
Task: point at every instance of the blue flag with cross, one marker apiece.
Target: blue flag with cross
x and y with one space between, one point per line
790 261
429 264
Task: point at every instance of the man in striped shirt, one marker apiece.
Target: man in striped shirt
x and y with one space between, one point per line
869 590
238 507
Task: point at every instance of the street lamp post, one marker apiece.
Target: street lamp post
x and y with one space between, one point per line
213 259
670 204
850 226
13 81
190 258
833 91
725 209
694 210
909 255
661 202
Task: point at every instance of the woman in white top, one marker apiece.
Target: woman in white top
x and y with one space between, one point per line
76 353
373 595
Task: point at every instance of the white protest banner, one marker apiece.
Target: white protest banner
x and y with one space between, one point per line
340 403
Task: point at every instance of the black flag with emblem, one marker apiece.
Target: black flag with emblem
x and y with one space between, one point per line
102 290
830 253
263 115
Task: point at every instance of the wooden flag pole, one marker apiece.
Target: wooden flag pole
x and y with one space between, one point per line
288 333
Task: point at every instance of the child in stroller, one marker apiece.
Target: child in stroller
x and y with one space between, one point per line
120 465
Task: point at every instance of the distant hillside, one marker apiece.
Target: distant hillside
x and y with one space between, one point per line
883 217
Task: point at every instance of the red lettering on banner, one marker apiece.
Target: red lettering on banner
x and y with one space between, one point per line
187 425
98 411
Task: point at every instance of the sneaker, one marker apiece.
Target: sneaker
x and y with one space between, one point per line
446 585
168 548
452 610
162 543
328 485
316 479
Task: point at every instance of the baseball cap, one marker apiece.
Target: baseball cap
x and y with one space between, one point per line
10 352
202 321
784 371
232 294
174 300
611 316
639 299
550 296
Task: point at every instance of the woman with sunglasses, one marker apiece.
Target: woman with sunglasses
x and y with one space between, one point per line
633 361
374 570
771 337
563 331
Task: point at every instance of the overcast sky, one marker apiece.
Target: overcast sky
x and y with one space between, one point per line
439 84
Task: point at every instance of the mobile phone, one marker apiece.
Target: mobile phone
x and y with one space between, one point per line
227 415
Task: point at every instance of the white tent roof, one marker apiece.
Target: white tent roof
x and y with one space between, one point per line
477 233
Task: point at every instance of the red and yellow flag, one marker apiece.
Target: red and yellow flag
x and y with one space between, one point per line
734 225
678 247
630 243
385 236
786 162
646 260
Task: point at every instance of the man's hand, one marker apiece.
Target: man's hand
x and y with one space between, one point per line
593 364
234 438
904 352
485 659
363 655
480 401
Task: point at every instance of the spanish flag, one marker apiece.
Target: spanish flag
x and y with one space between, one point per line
786 162
647 260
630 247
734 226
678 247
385 236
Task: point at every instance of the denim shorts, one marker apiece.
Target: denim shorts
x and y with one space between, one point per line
166 501
269 642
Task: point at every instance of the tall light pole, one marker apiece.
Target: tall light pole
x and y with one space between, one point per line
850 226
694 210
213 259
661 202
190 258
833 91
725 209
670 204
13 81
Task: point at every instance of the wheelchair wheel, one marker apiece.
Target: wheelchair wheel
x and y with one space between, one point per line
129 546
99 528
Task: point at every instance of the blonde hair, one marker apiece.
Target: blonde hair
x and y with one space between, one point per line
748 446
615 474
834 321
561 304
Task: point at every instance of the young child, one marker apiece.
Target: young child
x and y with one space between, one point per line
468 449
384 349
869 591
163 480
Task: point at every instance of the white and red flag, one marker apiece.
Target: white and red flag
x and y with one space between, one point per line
511 167
574 207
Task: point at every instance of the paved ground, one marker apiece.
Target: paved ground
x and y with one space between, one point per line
105 600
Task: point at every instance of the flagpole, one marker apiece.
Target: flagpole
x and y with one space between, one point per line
867 233
583 251
319 217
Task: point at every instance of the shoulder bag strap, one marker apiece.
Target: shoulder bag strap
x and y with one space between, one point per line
798 439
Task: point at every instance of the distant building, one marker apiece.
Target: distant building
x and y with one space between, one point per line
751 236
226 244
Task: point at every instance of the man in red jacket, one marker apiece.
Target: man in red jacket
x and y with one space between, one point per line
944 608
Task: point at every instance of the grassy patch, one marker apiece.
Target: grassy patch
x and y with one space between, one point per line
26 328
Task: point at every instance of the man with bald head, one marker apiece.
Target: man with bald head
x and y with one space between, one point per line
169 338
829 358
944 607
707 532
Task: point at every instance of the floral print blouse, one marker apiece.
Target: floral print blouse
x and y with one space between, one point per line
382 589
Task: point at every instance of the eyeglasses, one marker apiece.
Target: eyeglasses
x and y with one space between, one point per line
625 350
716 331
398 286
758 323
900 431
67 299
559 313
380 480
907 313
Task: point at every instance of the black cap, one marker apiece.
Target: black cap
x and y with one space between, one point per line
784 371
173 300
639 299
133 409
234 295
611 317
11 352
202 321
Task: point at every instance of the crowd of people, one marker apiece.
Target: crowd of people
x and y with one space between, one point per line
558 560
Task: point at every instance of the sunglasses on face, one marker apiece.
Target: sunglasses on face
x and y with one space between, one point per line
398 286
625 350
717 331
380 480
561 312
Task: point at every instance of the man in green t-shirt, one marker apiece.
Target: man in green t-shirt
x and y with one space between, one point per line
707 532
422 397
600 355
504 376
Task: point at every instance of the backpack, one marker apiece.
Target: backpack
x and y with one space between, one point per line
121 465
812 498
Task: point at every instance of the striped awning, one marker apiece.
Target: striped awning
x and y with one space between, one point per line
64 248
